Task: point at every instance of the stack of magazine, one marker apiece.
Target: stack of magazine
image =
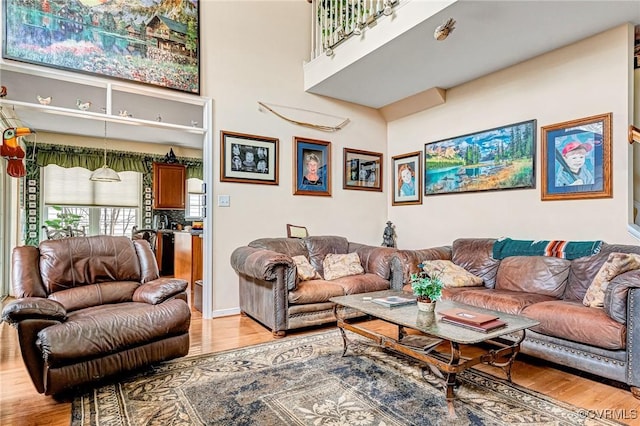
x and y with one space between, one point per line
483 323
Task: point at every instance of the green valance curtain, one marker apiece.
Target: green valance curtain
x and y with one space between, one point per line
92 159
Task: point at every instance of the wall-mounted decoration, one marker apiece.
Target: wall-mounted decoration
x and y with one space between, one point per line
155 43
500 158
248 158
406 178
576 159
362 170
636 50
312 173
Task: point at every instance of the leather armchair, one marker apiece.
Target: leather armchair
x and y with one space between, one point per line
89 307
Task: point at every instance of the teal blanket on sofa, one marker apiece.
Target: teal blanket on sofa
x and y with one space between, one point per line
569 250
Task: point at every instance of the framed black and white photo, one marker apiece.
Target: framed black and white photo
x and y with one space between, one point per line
248 158
362 170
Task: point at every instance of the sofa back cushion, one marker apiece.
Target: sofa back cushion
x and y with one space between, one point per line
319 247
75 262
476 256
533 274
584 269
289 246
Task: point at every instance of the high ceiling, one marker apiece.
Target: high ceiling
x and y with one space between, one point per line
489 36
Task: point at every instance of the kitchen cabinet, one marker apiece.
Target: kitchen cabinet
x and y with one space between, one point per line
165 252
168 186
188 259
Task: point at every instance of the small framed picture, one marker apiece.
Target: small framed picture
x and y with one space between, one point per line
362 170
406 178
248 158
147 208
31 219
33 205
576 159
147 214
147 197
312 173
33 234
32 227
147 220
32 197
147 202
31 182
147 189
31 212
32 189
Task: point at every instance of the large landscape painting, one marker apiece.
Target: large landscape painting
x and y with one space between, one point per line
501 158
148 41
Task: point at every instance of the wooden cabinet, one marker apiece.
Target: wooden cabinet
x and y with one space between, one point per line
168 186
188 260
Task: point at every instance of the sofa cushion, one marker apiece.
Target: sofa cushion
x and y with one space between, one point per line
450 274
584 269
96 294
410 259
314 291
341 265
533 274
74 262
305 270
319 247
94 332
510 302
616 264
289 246
363 283
572 321
476 256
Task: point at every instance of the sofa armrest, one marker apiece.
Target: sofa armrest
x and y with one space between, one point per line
33 308
264 265
159 290
617 292
374 260
405 262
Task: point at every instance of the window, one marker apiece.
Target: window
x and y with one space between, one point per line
105 208
195 200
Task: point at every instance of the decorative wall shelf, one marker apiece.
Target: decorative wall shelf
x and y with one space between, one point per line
133 112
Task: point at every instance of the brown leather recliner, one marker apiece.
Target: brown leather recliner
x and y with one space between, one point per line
90 307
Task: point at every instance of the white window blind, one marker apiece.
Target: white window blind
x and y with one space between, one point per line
72 187
195 199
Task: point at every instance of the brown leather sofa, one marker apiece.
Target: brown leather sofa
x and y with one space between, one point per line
90 307
271 293
604 342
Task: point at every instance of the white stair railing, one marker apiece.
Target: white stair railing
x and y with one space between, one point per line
334 21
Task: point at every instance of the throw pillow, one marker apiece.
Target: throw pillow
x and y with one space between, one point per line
616 264
341 265
450 274
306 272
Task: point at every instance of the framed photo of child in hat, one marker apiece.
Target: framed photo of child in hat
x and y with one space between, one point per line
576 159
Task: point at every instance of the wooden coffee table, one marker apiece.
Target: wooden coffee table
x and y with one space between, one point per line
500 352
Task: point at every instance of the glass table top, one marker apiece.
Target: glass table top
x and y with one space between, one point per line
429 322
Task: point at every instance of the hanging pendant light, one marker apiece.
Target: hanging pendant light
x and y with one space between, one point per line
104 173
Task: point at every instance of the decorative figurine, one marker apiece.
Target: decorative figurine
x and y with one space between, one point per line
43 100
124 113
170 157
389 235
83 106
3 91
12 151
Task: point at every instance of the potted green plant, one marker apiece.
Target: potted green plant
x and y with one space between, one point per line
428 289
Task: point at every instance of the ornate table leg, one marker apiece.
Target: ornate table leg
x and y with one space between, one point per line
345 341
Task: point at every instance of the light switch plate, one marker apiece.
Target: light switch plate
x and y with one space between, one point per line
224 200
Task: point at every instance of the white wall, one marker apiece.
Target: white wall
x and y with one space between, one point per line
254 51
590 77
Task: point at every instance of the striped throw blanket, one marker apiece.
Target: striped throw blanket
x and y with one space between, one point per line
569 250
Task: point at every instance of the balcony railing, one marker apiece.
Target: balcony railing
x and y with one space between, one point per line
334 21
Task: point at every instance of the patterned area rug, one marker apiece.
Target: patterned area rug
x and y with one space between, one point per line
306 381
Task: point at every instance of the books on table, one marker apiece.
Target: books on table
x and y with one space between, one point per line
473 320
392 301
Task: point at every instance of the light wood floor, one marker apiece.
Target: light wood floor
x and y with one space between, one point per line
21 405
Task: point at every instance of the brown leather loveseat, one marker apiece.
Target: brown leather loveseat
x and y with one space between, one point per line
90 307
604 341
272 293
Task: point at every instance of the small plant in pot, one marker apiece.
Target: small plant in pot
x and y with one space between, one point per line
427 288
